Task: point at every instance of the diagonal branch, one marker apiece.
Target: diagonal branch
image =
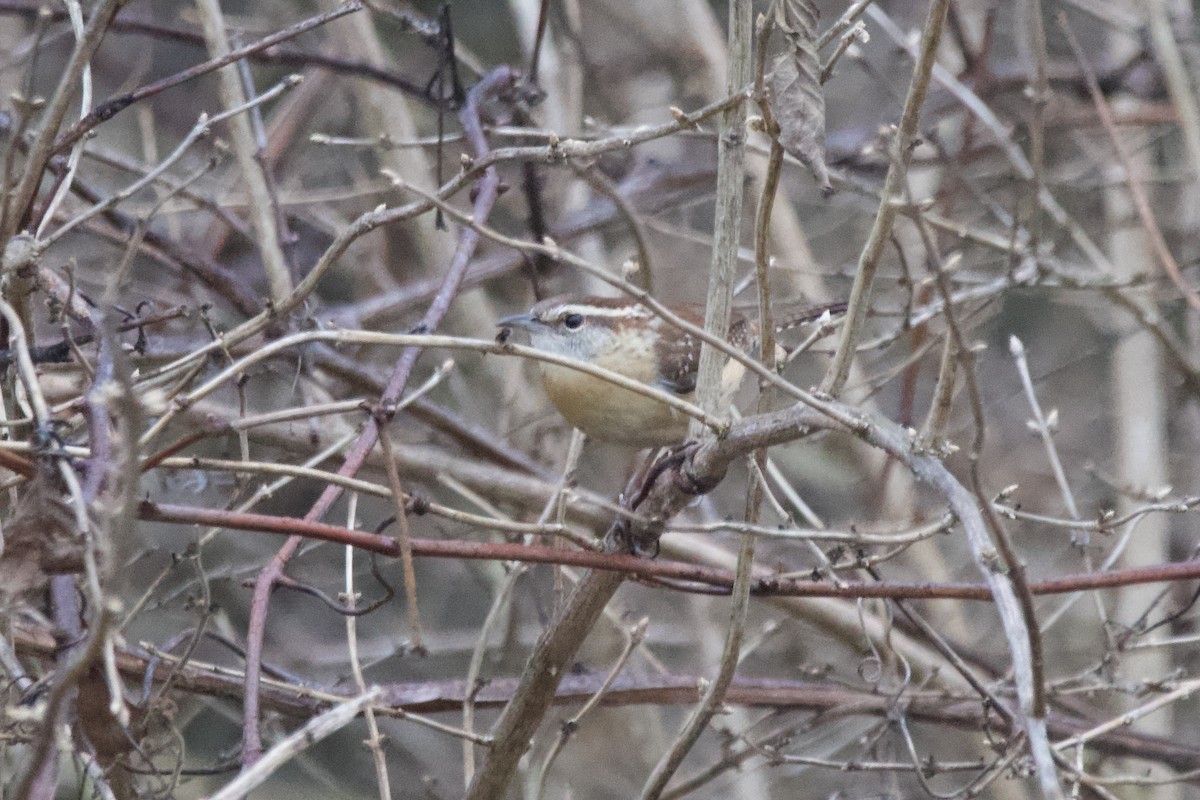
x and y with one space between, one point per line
19 200
115 105
893 185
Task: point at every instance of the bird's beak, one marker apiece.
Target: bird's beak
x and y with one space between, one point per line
524 321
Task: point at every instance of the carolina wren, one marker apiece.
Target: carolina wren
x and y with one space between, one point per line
624 336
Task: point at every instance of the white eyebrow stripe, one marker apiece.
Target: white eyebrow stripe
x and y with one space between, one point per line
602 311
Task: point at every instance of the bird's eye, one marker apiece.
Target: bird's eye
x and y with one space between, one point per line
572 321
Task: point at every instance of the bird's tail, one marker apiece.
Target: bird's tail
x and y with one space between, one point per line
787 319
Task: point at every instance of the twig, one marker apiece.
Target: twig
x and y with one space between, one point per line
843 23
634 640
858 33
934 429
1184 691
114 105
376 741
200 129
486 523
1017 348
1033 50
727 224
900 155
1140 200
314 731
75 13
21 197
600 183
766 585
405 541
497 83
513 573
251 169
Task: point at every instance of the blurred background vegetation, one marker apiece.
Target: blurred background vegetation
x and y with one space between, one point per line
1080 275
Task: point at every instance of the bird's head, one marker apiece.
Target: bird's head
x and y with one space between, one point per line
581 327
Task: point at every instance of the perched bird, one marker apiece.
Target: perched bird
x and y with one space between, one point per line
624 336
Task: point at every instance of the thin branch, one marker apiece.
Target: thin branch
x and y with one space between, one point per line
408 700
314 731
250 167
634 640
75 13
114 105
376 741
17 203
727 222
496 84
199 130
900 155
416 634
1140 200
764 585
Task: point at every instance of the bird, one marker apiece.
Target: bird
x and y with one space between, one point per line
627 337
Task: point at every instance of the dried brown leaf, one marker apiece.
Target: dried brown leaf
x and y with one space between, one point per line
796 99
41 538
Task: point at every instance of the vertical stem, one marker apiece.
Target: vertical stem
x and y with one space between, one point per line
1036 32
715 695
893 188
731 172
233 95
549 661
730 175
1175 72
19 201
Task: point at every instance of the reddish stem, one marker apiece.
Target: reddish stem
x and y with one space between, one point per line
300 529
